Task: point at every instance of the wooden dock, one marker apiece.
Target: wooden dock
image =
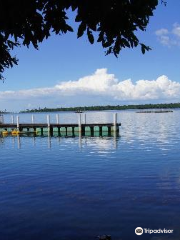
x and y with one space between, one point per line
155 111
62 129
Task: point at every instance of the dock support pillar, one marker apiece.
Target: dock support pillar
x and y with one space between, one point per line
48 123
118 130
109 131
41 131
115 122
83 130
80 123
51 131
100 131
66 130
73 132
92 131
59 132
17 123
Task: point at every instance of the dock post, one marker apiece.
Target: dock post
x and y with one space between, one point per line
34 128
48 123
57 118
18 123
109 131
12 119
51 131
73 134
80 123
41 131
100 131
32 118
59 131
92 131
115 123
83 130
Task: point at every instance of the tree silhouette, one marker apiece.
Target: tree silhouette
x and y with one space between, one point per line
113 23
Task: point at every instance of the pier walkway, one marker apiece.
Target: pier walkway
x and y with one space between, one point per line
61 128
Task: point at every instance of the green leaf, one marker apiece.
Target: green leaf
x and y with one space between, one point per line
81 29
90 36
69 28
144 48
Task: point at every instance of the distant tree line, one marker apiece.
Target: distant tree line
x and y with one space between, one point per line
108 107
5 111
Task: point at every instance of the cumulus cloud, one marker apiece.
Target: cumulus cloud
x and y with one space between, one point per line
100 86
99 82
105 84
169 37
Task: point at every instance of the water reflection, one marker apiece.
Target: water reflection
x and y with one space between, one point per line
18 141
146 131
152 129
49 141
87 186
80 140
34 140
104 143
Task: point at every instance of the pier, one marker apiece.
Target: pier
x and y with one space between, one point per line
155 111
61 129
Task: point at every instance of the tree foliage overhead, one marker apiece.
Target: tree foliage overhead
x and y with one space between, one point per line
113 23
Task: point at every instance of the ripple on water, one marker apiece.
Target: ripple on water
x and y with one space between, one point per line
71 188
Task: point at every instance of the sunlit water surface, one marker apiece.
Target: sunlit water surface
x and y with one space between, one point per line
70 188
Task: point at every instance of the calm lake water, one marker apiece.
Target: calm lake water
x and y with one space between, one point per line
77 189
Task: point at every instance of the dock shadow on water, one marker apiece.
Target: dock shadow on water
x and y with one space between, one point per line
76 188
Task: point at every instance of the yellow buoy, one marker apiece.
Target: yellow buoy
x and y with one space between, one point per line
15 132
5 133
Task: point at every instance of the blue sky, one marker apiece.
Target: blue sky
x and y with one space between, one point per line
71 72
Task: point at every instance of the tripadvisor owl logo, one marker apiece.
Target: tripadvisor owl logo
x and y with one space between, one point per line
139 231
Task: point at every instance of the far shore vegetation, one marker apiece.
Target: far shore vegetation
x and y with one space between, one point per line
108 107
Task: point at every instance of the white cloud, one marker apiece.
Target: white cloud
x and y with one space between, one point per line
161 32
105 84
98 88
169 37
176 30
99 82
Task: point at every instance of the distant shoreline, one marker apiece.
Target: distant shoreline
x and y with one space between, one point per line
107 107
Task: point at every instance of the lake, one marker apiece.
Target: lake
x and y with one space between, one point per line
58 188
